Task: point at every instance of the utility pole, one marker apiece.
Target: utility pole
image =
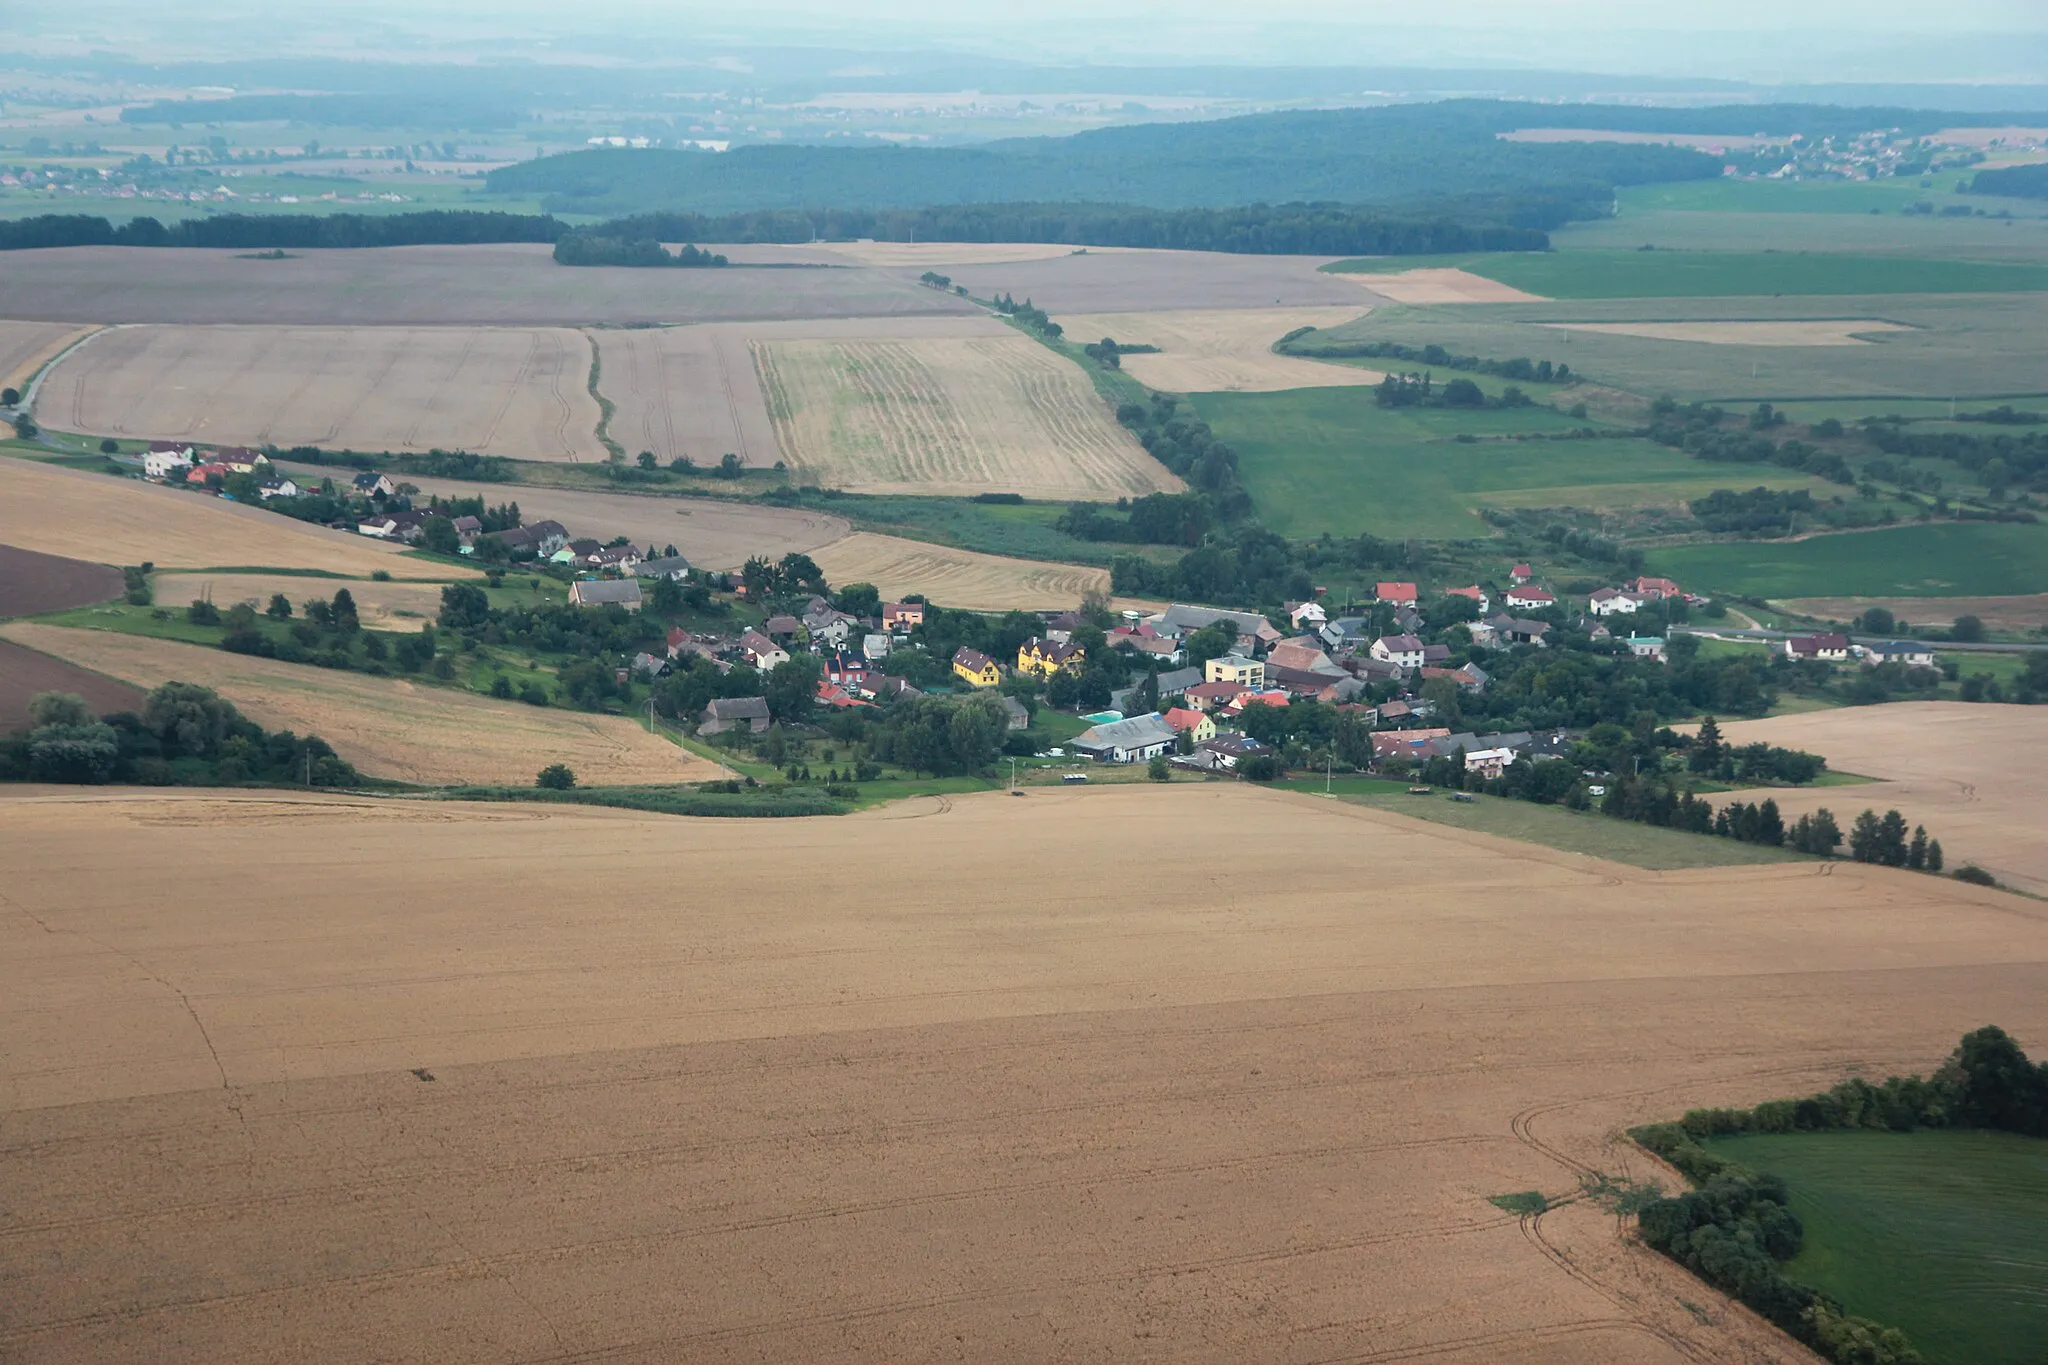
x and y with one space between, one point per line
1013 773
1326 772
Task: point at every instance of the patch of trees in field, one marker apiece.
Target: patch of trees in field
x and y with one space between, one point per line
184 735
1737 1229
1155 519
2017 182
1186 445
242 231
600 248
1421 391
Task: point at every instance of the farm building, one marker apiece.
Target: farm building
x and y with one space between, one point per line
605 592
1133 740
730 713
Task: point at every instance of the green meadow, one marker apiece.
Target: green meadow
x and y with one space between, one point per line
1942 1234
1930 559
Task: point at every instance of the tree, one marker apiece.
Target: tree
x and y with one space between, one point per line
345 619
202 613
1863 838
1891 839
60 708
188 719
110 446
646 460
791 688
1212 641
9 397
1706 748
280 608
1157 770
1934 855
1916 852
555 777
974 733
1967 629
729 466
464 606
441 536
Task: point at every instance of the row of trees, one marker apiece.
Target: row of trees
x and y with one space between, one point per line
1420 391
184 734
595 248
1305 341
282 230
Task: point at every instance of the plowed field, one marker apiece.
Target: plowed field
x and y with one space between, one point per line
520 392
331 1079
949 418
385 726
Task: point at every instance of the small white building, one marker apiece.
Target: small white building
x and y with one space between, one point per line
1617 602
1135 739
1402 651
164 458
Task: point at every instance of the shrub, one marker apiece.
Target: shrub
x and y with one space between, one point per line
555 777
1974 875
203 613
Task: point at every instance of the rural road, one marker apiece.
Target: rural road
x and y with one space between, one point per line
1759 633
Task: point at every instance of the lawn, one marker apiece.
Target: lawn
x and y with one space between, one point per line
1317 460
1666 274
1598 836
1941 1234
1932 559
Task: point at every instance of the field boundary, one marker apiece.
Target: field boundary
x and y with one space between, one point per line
605 407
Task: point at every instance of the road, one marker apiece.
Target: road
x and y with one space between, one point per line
1760 634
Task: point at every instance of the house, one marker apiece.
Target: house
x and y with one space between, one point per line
730 713
1656 589
1178 681
164 458
1617 602
760 651
1016 713
542 539
240 459
372 485
278 486
876 647
672 567
832 694
1831 647
848 670
1402 651
975 668
605 592
829 627
621 558
210 471
1254 632
1132 740
782 628
1303 656
1400 594
1412 744
1488 763
1038 657
1230 750
882 687
647 665
1210 695
384 526
1647 647
1244 701
1511 630
1519 575
1474 593
1435 656
1905 652
1235 668
575 552
900 618
1307 615
1196 725
1530 598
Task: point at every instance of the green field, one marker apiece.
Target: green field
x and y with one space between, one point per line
1943 1235
1934 559
1317 460
1667 274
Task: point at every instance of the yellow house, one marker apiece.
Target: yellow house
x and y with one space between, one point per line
1235 668
975 668
1043 658
1196 725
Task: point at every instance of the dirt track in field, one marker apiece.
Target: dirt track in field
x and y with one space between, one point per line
96 517
518 392
952 417
1964 771
1222 350
521 1084
387 727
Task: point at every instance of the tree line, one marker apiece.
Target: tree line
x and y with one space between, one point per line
246 231
1302 341
600 248
184 735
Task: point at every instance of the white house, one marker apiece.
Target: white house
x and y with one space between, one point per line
164 458
1647 647
278 486
1402 651
1909 653
1133 740
1528 596
1617 602
1307 614
1830 647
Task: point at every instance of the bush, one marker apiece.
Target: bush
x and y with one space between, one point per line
555 777
203 613
1974 875
1157 770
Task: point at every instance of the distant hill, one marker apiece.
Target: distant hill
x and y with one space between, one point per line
2020 182
1419 158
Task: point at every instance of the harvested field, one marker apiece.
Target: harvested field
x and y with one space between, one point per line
694 390
385 726
347 1114
518 392
1104 281
711 533
24 672
395 605
930 255
491 286
1442 285
949 418
87 516
2000 613
26 347
960 579
1224 350
32 583
1961 770
1817 332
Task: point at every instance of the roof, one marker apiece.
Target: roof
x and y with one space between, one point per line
599 591
1305 658
1399 644
1394 592
1900 647
973 660
1808 644
1055 651
1187 618
782 625
1179 680
903 609
1212 690
1472 592
1522 569
737 708
1239 746
754 642
1245 699
1530 594
366 480
1133 732
1181 718
468 524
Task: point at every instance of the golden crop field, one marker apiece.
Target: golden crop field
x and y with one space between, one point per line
26 347
319 1078
961 579
519 392
1440 284
387 727
124 521
396 605
1222 350
1960 769
949 417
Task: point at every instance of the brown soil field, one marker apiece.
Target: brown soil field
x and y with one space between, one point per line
2000 613
1222 350
32 582
998 414
1964 771
502 286
26 346
518 392
631 1090
1834 332
1104 281
961 579
1436 284
395 605
711 533
694 390
385 726
92 516
24 672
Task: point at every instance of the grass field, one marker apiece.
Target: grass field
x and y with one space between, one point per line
1941 1234
651 1064
954 417
1591 274
1333 460
1936 559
